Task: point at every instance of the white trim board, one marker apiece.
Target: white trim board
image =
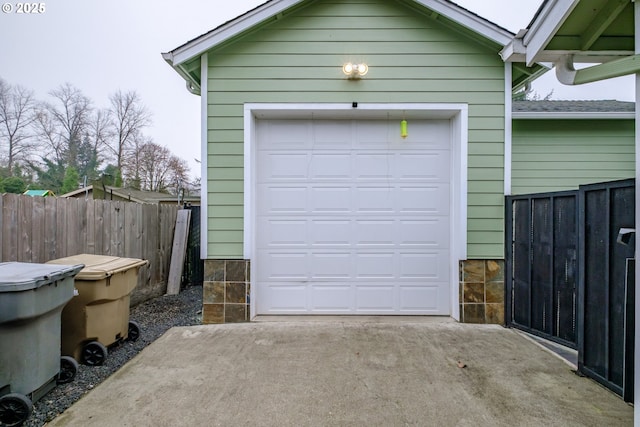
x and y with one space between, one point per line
456 113
204 142
508 128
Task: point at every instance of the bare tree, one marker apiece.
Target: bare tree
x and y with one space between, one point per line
152 167
17 114
62 124
129 117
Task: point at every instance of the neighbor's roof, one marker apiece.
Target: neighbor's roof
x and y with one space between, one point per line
136 196
39 193
184 58
605 109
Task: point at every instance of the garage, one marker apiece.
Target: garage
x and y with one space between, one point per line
350 218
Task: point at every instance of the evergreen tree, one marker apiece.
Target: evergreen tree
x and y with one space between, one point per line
71 179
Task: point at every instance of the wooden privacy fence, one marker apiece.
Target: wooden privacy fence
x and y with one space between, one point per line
39 229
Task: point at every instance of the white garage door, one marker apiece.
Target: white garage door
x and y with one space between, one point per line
352 219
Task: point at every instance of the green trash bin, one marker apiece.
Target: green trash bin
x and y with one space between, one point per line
98 316
32 297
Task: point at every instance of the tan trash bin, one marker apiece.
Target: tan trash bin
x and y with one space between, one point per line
99 315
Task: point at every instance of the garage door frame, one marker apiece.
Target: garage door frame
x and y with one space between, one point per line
456 113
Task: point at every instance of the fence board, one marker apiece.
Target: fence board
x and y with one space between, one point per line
50 227
61 230
42 229
38 253
25 210
10 230
91 227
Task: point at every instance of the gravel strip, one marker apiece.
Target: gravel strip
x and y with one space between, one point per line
155 317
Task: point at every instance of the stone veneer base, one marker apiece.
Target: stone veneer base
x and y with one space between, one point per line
482 291
225 291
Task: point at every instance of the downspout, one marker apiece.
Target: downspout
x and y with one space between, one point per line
565 71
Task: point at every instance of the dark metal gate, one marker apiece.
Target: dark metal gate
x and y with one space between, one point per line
541 274
193 272
606 293
570 275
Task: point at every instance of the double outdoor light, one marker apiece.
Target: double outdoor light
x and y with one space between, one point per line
355 71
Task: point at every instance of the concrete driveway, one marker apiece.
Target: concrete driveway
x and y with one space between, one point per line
376 371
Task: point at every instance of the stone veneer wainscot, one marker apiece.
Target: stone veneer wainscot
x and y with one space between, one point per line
226 291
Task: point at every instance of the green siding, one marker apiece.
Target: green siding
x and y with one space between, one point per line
554 155
412 58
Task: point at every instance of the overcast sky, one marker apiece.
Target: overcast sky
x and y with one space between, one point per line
104 45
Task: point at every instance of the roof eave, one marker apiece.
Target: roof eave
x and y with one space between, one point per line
469 20
193 84
273 8
223 33
549 19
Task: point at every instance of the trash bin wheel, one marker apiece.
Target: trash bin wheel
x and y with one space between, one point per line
134 331
94 353
68 369
15 408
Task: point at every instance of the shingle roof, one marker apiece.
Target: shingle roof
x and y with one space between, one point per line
605 106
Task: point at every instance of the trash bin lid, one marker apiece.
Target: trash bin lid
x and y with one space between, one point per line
98 267
24 276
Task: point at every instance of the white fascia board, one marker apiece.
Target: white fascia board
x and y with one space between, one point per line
238 25
573 115
469 20
545 27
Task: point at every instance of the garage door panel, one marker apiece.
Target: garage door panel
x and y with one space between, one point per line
375 233
375 298
426 200
333 298
329 232
282 200
375 266
285 232
424 267
286 134
428 135
282 166
431 167
376 200
331 266
329 167
432 233
420 298
330 200
374 134
328 134
283 266
373 166
284 298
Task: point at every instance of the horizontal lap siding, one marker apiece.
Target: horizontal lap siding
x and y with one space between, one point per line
553 155
411 58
